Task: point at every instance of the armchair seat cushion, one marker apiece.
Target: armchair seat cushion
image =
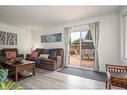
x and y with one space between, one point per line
18 59
20 55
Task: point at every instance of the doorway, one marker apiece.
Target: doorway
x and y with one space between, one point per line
82 52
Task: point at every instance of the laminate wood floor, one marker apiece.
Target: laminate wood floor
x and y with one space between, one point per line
45 79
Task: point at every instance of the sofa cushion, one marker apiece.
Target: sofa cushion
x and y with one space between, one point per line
52 54
43 55
11 55
46 51
34 54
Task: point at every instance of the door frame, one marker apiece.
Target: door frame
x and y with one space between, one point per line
80 67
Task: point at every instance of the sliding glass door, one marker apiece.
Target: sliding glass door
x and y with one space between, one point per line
82 49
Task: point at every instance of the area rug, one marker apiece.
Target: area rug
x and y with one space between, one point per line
99 76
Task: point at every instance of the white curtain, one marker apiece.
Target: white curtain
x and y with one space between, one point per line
94 29
67 31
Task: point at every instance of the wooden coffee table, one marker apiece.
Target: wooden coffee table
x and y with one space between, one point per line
17 67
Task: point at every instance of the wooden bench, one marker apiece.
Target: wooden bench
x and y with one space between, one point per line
116 75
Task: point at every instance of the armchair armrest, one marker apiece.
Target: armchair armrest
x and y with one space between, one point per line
3 59
59 61
108 75
58 58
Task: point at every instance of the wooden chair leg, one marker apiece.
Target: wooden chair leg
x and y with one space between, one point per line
106 84
110 84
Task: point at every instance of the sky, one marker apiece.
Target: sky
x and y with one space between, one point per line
76 35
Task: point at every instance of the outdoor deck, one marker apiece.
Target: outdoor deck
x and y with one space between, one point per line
75 61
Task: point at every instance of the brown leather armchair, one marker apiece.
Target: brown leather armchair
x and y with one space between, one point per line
4 50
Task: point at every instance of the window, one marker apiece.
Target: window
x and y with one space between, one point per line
124 38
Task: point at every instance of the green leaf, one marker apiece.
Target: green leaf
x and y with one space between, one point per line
10 85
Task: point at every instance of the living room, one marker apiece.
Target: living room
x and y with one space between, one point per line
37 29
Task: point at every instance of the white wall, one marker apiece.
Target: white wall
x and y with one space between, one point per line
23 38
109 41
36 38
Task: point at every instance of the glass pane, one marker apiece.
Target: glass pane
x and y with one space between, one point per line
125 37
87 50
75 49
86 36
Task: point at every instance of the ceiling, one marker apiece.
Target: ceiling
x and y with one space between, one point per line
45 16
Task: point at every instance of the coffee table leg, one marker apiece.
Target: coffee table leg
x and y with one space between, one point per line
16 76
34 70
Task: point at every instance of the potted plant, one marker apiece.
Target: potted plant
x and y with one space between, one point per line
3 74
10 85
6 84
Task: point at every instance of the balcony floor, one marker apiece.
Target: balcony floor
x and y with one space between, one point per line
75 61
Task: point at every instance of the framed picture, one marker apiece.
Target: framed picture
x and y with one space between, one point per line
7 38
2 38
52 38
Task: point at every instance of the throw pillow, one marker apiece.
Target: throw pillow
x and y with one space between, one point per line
34 54
44 56
46 51
52 54
11 54
3 74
